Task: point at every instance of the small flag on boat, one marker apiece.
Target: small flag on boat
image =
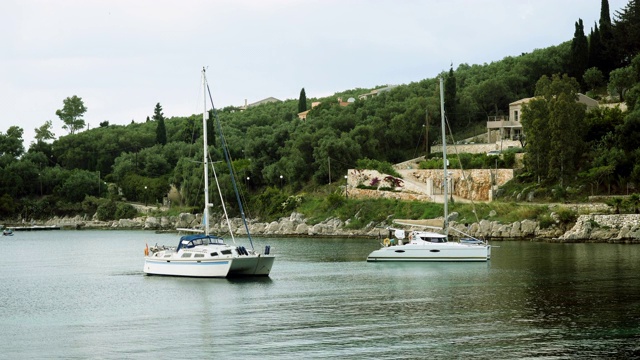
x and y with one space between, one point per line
146 249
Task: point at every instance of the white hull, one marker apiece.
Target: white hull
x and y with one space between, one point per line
447 251
190 268
241 266
259 265
213 260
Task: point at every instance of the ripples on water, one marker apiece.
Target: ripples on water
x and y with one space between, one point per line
82 295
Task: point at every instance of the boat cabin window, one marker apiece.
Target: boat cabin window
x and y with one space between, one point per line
437 240
225 252
186 255
167 255
214 254
198 255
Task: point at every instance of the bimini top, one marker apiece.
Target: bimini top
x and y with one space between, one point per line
189 241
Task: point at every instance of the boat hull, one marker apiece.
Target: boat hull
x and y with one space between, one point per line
454 252
258 265
252 265
203 268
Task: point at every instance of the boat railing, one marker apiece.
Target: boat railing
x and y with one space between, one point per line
467 235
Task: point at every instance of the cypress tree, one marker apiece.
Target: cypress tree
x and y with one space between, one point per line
605 18
595 49
450 95
579 52
608 59
553 122
302 102
161 130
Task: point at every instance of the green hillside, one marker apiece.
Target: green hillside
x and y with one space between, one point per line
280 158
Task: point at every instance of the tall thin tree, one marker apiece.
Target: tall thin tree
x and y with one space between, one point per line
609 50
450 97
161 130
302 101
579 52
596 51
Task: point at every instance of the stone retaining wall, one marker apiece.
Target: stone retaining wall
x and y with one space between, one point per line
473 184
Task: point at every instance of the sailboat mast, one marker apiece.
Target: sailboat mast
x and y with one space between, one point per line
444 160
205 219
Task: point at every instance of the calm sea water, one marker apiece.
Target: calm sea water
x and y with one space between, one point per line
82 295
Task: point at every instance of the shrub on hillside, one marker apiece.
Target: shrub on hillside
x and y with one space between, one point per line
382 167
125 211
107 210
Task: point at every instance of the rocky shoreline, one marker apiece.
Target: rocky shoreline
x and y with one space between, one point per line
602 228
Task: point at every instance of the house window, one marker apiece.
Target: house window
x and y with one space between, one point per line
515 115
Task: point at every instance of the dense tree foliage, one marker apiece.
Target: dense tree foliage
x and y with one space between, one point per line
11 144
627 32
593 78
44 133
620 80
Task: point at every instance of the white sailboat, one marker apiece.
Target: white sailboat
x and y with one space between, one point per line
428 245
205 255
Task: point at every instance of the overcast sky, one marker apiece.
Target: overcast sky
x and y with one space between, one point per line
124 56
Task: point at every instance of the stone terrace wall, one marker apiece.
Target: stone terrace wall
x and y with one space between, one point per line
473 184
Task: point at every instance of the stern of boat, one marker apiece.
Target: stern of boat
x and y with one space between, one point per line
252 265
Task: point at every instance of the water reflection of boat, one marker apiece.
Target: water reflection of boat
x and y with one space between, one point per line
428 245
205 255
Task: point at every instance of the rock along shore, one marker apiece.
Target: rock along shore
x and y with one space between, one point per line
605 228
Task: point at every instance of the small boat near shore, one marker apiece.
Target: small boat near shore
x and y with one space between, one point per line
35 228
